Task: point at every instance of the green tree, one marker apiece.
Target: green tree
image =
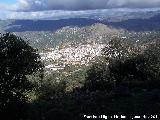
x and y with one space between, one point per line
120 63
17 59
98 76
152 56
116 49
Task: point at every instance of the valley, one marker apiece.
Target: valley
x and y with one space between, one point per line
64 67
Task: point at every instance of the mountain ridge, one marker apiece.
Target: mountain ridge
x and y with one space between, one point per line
150 23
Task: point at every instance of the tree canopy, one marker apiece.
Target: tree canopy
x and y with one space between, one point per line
17 59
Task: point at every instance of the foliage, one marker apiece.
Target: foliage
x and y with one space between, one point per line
98 78
17 59
127 84
125 66
119 49
152 56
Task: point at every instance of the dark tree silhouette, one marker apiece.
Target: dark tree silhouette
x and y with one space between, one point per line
17 59
98 78
126 67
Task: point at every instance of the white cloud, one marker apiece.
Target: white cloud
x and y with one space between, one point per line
11 7
63 14
37 5
57 9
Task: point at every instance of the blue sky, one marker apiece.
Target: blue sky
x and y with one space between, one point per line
8 1
23 9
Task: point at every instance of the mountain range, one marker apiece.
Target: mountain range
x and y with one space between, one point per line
138 22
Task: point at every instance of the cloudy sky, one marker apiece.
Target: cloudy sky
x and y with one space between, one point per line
44 8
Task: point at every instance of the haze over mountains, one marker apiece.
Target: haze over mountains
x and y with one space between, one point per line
132 21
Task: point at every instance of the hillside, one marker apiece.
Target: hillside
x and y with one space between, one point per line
87 66
94 33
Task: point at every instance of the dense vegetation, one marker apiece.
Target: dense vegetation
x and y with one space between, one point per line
17 59
124 80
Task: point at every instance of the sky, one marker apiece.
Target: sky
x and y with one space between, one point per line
23 9
8 1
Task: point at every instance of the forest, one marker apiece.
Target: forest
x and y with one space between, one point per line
124 80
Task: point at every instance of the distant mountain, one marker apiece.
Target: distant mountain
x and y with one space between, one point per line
139 25
43 25
123 16
131 23
42 34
